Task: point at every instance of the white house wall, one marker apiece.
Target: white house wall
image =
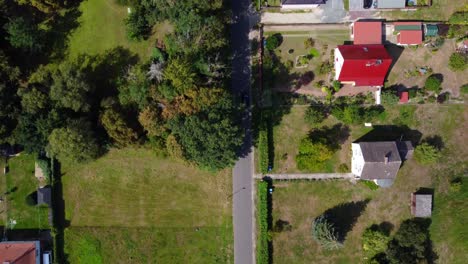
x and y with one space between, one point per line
339 60
295 7
357 161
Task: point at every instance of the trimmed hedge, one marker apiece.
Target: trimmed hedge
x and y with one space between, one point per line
263 254
263 150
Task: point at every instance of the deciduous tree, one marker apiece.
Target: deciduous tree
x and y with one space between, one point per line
118 128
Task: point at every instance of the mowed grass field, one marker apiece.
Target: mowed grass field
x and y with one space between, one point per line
20 184
300 202
101 27
131 205
440 10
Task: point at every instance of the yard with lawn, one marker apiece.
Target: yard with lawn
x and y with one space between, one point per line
101 27
355 207
157 209
410 59
301 53
21 188
430 120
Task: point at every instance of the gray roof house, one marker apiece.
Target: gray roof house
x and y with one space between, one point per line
421 205
44 196
391 4
378 161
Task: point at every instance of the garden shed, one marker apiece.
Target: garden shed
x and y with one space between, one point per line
421 205
44 196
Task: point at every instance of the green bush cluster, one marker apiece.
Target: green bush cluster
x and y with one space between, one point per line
263 254
464 89
374 242
274 41
355 114
315 114
458 62
389 98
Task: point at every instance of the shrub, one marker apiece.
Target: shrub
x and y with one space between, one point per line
343 168
309 43
426 153
262 217
374 241
389 98
412 93
433 84
336 85
138 26
324 233
313 52
274 41
464 89
315 114
457 62
325 67
459 18
312 155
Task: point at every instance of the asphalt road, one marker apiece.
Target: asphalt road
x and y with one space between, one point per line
242 194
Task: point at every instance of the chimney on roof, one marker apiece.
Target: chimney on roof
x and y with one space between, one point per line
386 159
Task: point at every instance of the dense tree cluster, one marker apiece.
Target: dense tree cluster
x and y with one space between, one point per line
177 101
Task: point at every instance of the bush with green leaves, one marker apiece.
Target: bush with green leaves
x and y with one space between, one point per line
274 41
309 43
336 85
138 26
343 168
433 84
263 255
324 233
389 98
458 62
44 164
426 153
313 155
313 53
24 34
459 18
374 242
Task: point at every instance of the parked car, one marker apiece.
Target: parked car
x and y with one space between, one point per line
367 4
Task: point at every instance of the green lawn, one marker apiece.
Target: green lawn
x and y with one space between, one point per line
440 10
102 28
172 211
21 183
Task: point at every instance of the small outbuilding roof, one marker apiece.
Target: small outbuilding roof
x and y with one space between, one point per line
431 30
410 37
404 97
44 196
391 3
367 32
421 205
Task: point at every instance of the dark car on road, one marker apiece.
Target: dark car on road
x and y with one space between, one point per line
367 4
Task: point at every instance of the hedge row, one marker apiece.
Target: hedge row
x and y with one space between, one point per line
262 218
263 150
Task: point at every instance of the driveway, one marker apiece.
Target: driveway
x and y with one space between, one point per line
331 12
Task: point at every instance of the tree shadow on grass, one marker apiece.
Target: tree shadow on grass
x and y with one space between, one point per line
435 141
392 133
344 216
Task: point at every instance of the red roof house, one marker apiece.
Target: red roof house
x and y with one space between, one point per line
20 252
367 32
362 65
409 33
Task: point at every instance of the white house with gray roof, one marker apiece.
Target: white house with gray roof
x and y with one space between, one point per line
378 161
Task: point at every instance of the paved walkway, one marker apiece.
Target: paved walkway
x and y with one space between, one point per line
307 176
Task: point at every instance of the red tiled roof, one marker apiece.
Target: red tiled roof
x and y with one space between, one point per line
367 32
18 253
366 65
410 37
404 97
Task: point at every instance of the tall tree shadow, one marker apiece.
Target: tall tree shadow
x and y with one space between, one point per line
61 26
344 216
334 136
391 133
